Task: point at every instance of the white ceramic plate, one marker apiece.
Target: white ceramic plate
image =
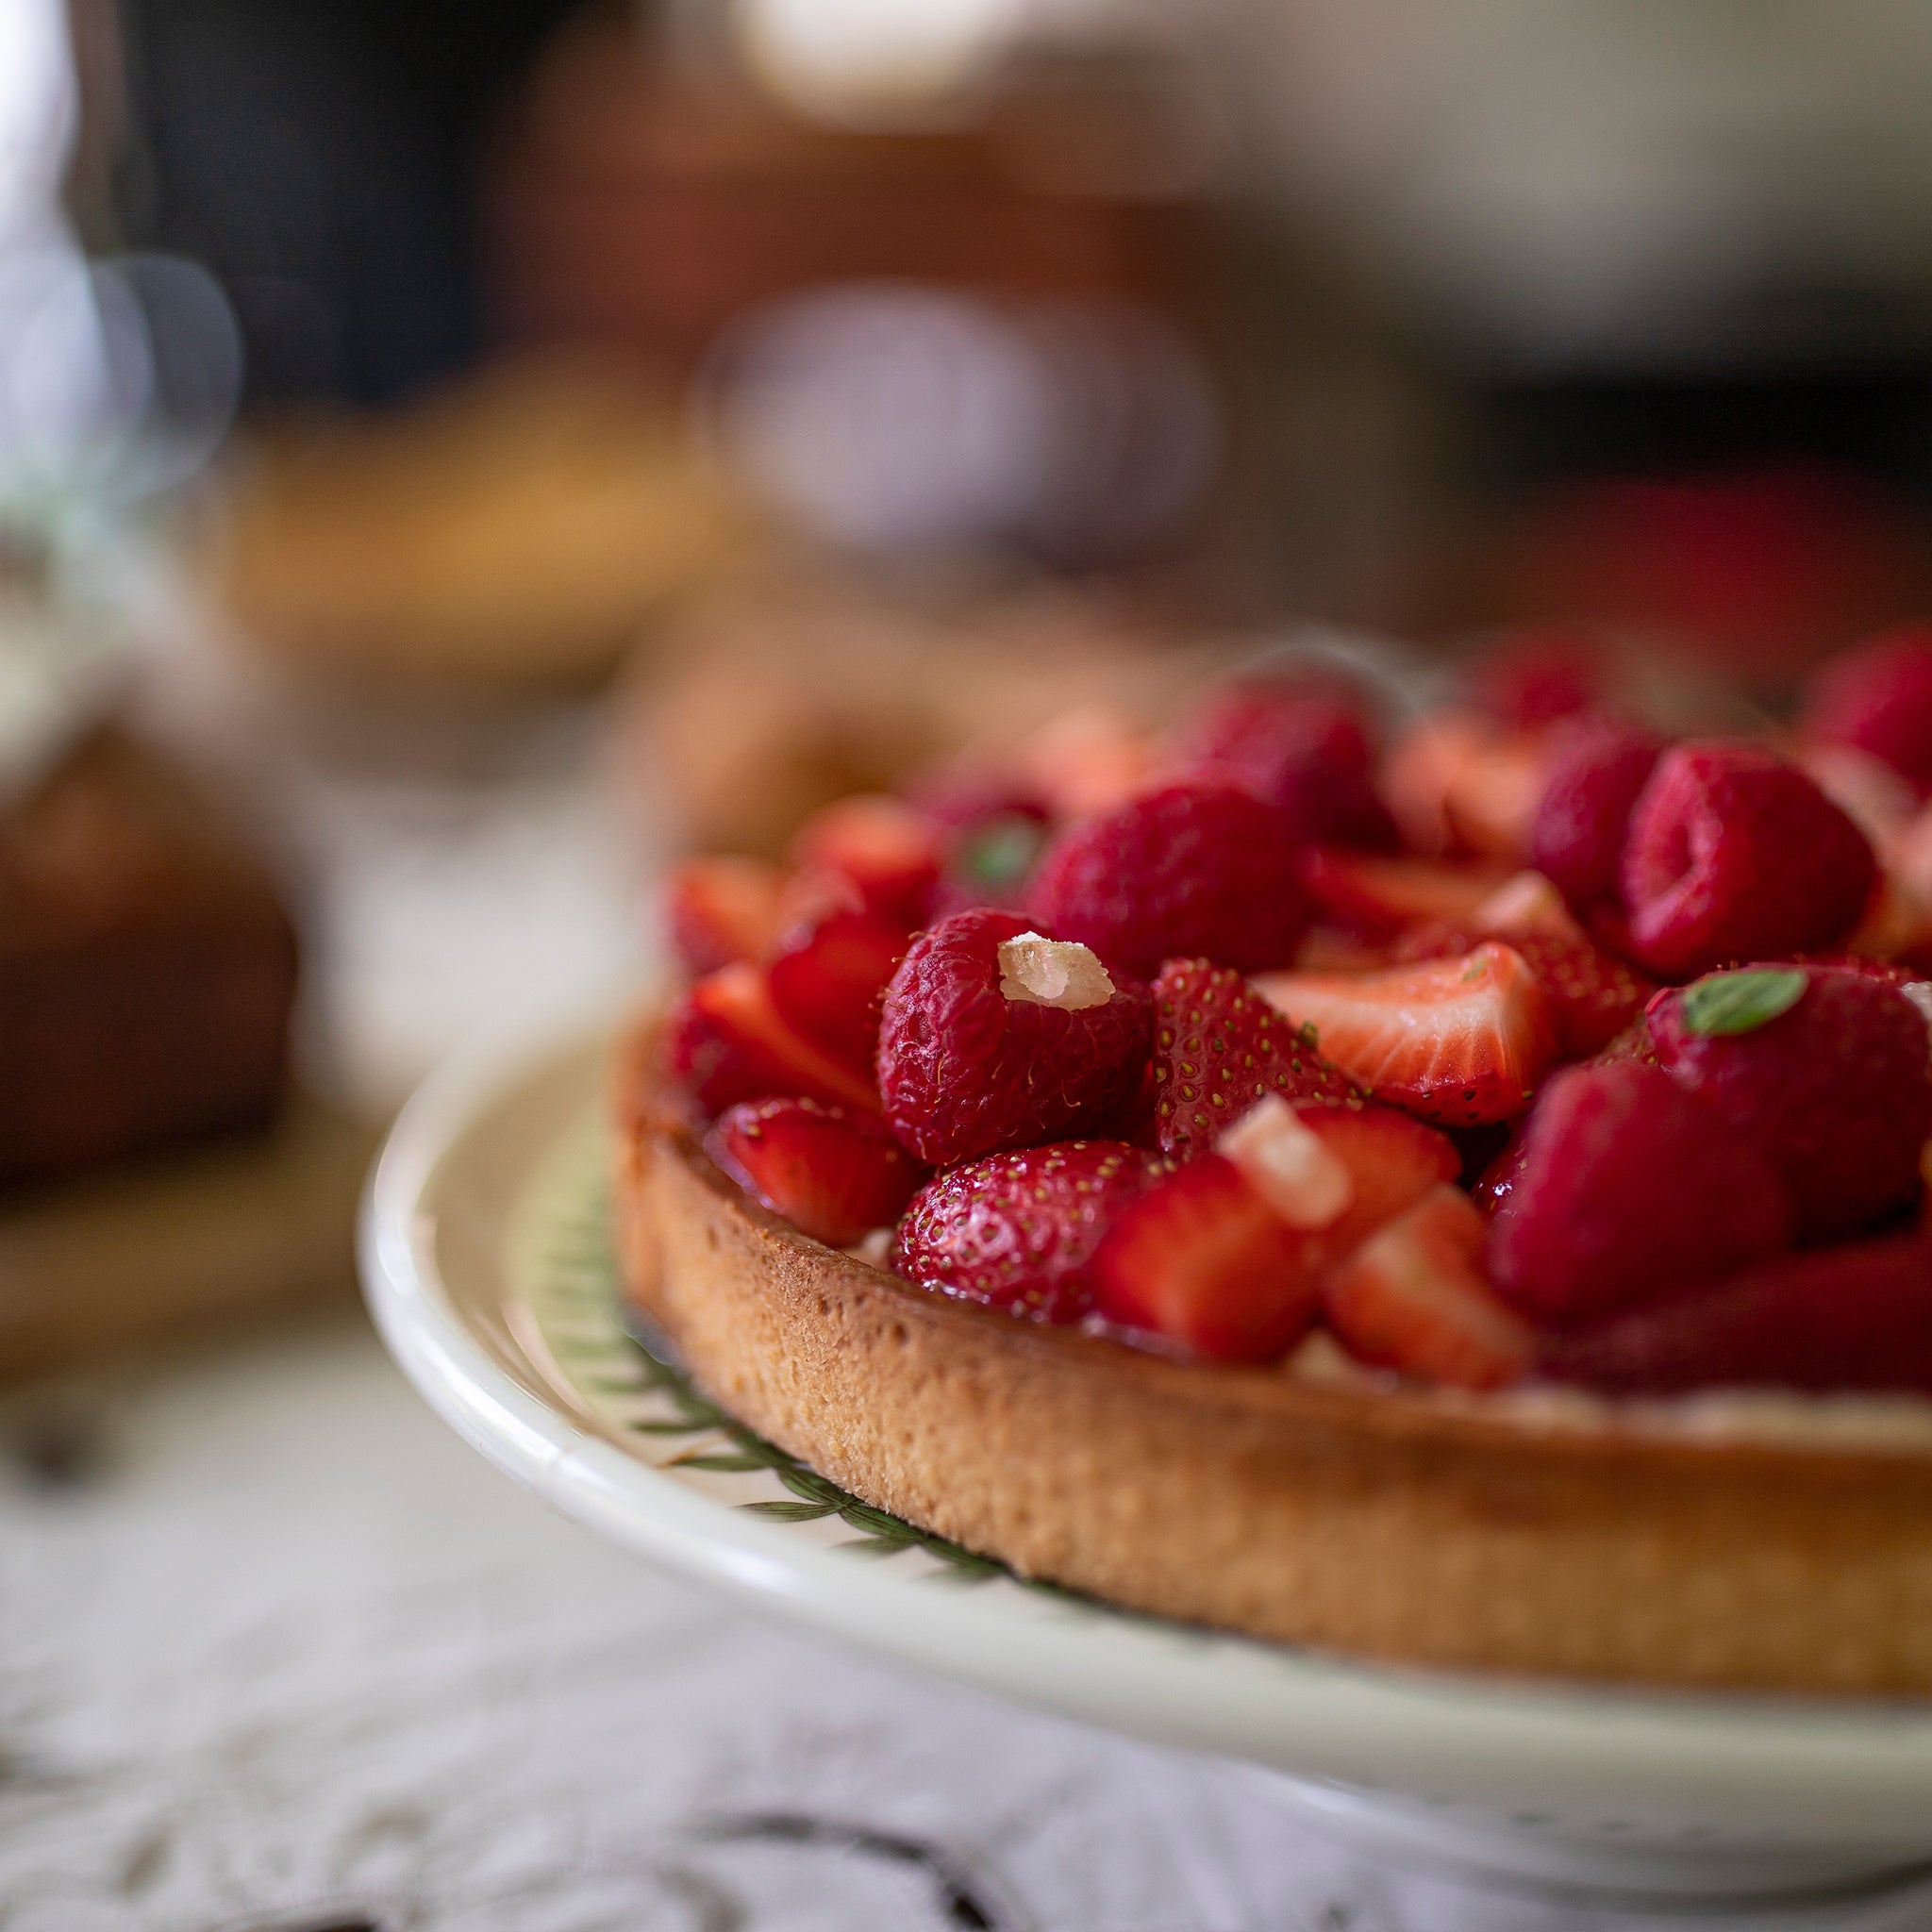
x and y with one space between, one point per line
488 1267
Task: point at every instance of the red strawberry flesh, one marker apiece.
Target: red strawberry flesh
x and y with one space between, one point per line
1201 1261
721 911
835 1176
1461 1041
726 1042
1597 770
1878 699
829 977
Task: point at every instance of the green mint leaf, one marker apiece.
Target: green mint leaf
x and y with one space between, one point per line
1721 1004
1001 852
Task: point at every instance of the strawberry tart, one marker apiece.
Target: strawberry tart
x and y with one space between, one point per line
1457 1200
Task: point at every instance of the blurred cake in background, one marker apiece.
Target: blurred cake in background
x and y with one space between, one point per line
512 530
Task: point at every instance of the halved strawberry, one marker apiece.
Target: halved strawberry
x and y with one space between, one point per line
834 1176
1413 1298
1202 1262
1420 769
1459 1041
1391 1159
1855 1317
1593 996
1493 795
828 979
721 911
1377 898
726 1042
890 853
1218 1048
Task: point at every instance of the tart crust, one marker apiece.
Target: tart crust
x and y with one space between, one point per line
1372 1521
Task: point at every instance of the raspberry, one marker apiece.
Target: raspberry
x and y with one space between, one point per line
1303 749
1017 1230
1598 766
1855 1317
1878 698
1532 677
1196 867
1834 1087
1218 1048
970 1060
1734 855
1625 1188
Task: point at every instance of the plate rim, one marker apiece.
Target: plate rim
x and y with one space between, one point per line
1864 1762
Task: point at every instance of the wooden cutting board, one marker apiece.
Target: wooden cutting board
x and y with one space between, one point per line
103 1262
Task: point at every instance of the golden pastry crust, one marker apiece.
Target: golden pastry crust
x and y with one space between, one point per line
1361 1521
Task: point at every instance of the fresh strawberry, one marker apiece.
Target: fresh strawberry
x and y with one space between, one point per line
726 1042
1597 768
1412 1298
1420 773
1379 898
1393 1161
1733 855
1017 1230
1626 1188
1201 1260
1497 1181
994 1037
1086 761
1196 867
834 1176
1218 1048
1290 1165
1531 677
1303 748
1594 997
1823 1067
1492 795
888 852
721 911
1878 699
1459 1041
1856 1317
828 979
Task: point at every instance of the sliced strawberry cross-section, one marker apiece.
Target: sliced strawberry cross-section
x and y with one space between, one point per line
1204 1262
1461 1041
1017 1230
1218 1048
829 977
888 852
726 1042
1377 898
833 1174
1413 1298
718 912
994 1036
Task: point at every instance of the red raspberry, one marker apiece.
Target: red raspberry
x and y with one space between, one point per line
1306 750
964 1069
1879 699
1218 1048
834 1174
1598 766
1197 867
1624 1189
1017 1230
1835 1087
1843 1318
1734 853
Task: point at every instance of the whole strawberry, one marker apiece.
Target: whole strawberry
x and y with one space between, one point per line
1878 698
1218 1048
1625 1189
1198 867
1598 767
1732 854
993 1036
833 1173
1824 1067
1303 748
1017 1230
